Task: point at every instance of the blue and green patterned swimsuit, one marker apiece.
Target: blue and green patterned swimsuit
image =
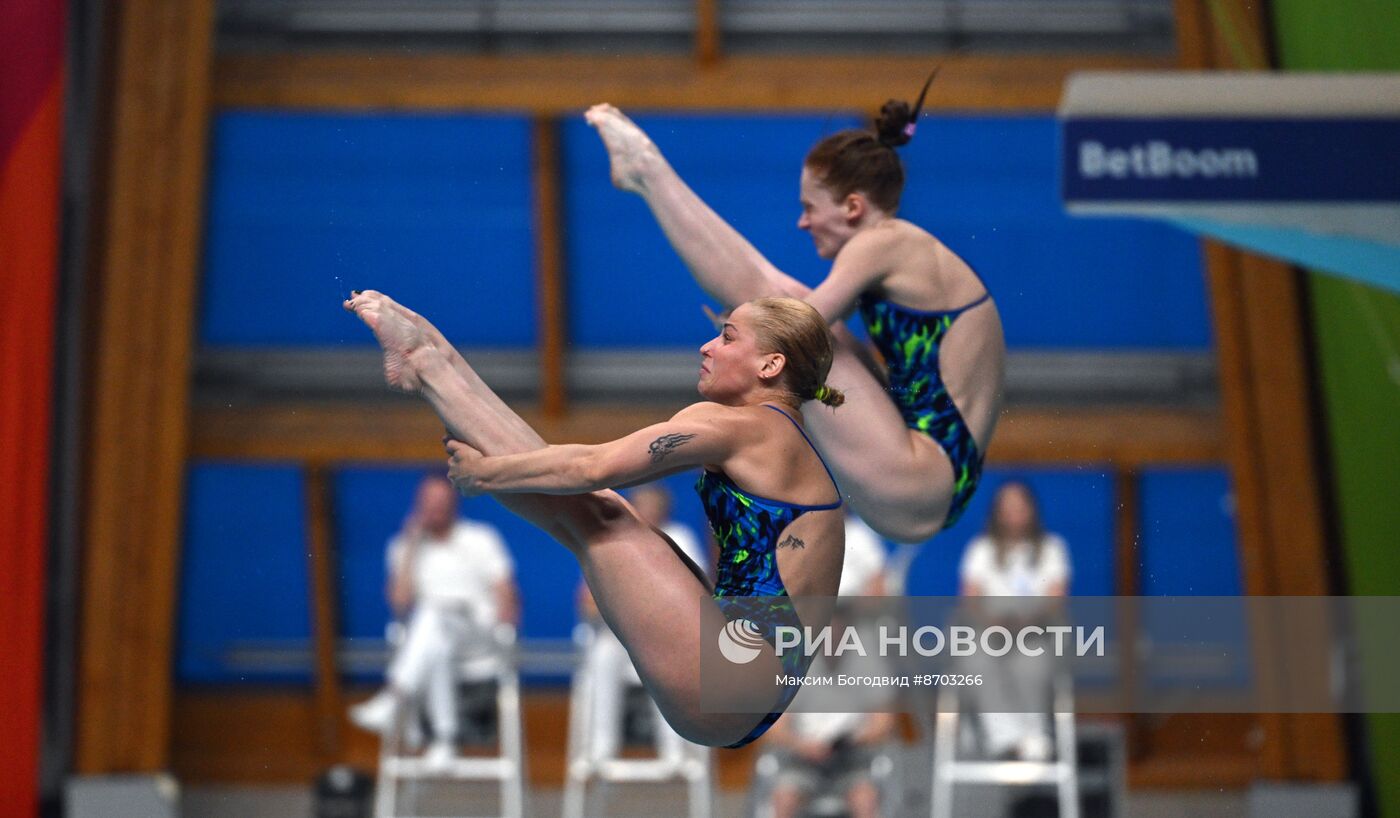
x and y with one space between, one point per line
909 340
746 528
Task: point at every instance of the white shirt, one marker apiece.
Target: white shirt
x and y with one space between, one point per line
683 537
864 560
847 709
825 727
1018 576
460 570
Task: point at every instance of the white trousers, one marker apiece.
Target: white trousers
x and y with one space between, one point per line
1013 682
611 672
425 666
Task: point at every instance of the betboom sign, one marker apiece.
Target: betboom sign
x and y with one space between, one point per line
1176 160
1162 160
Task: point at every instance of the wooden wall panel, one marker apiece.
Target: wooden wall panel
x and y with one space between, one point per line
1239 408
1294 556
324 575
567 84
401 431
550 277
147 273
1266 382
707 32
1287 458
1222 34
268 737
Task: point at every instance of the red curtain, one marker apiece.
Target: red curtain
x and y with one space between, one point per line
31 117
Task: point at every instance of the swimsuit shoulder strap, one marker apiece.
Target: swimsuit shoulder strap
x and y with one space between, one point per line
949 314
964 308
820 459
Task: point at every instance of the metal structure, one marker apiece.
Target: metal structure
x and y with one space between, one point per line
691 768
950 770
743 25
1040 378
399 771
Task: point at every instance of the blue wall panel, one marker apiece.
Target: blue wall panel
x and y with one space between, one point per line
1188 548
1076 504
1188 534
243 571
988 186
434 210
245 578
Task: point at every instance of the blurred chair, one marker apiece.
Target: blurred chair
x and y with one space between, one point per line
867 571
494 660
897 568
690 766
826 805
121 796
949 769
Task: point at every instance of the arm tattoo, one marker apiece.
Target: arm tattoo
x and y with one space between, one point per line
791 542
666 444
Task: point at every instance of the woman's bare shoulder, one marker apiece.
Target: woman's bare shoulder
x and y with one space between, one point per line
732 420
905 230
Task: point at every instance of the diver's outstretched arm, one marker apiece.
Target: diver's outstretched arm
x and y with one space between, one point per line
699 435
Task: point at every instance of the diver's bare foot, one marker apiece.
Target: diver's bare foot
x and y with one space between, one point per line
631 152
397 333
435 336
437 342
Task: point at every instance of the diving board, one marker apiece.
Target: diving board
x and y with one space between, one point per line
1303 167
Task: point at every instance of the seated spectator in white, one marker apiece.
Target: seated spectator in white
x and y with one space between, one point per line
607 662
863 567
1015 557
454 581
831 753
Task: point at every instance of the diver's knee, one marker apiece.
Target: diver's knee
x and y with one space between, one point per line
921 530
713 729
908 528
